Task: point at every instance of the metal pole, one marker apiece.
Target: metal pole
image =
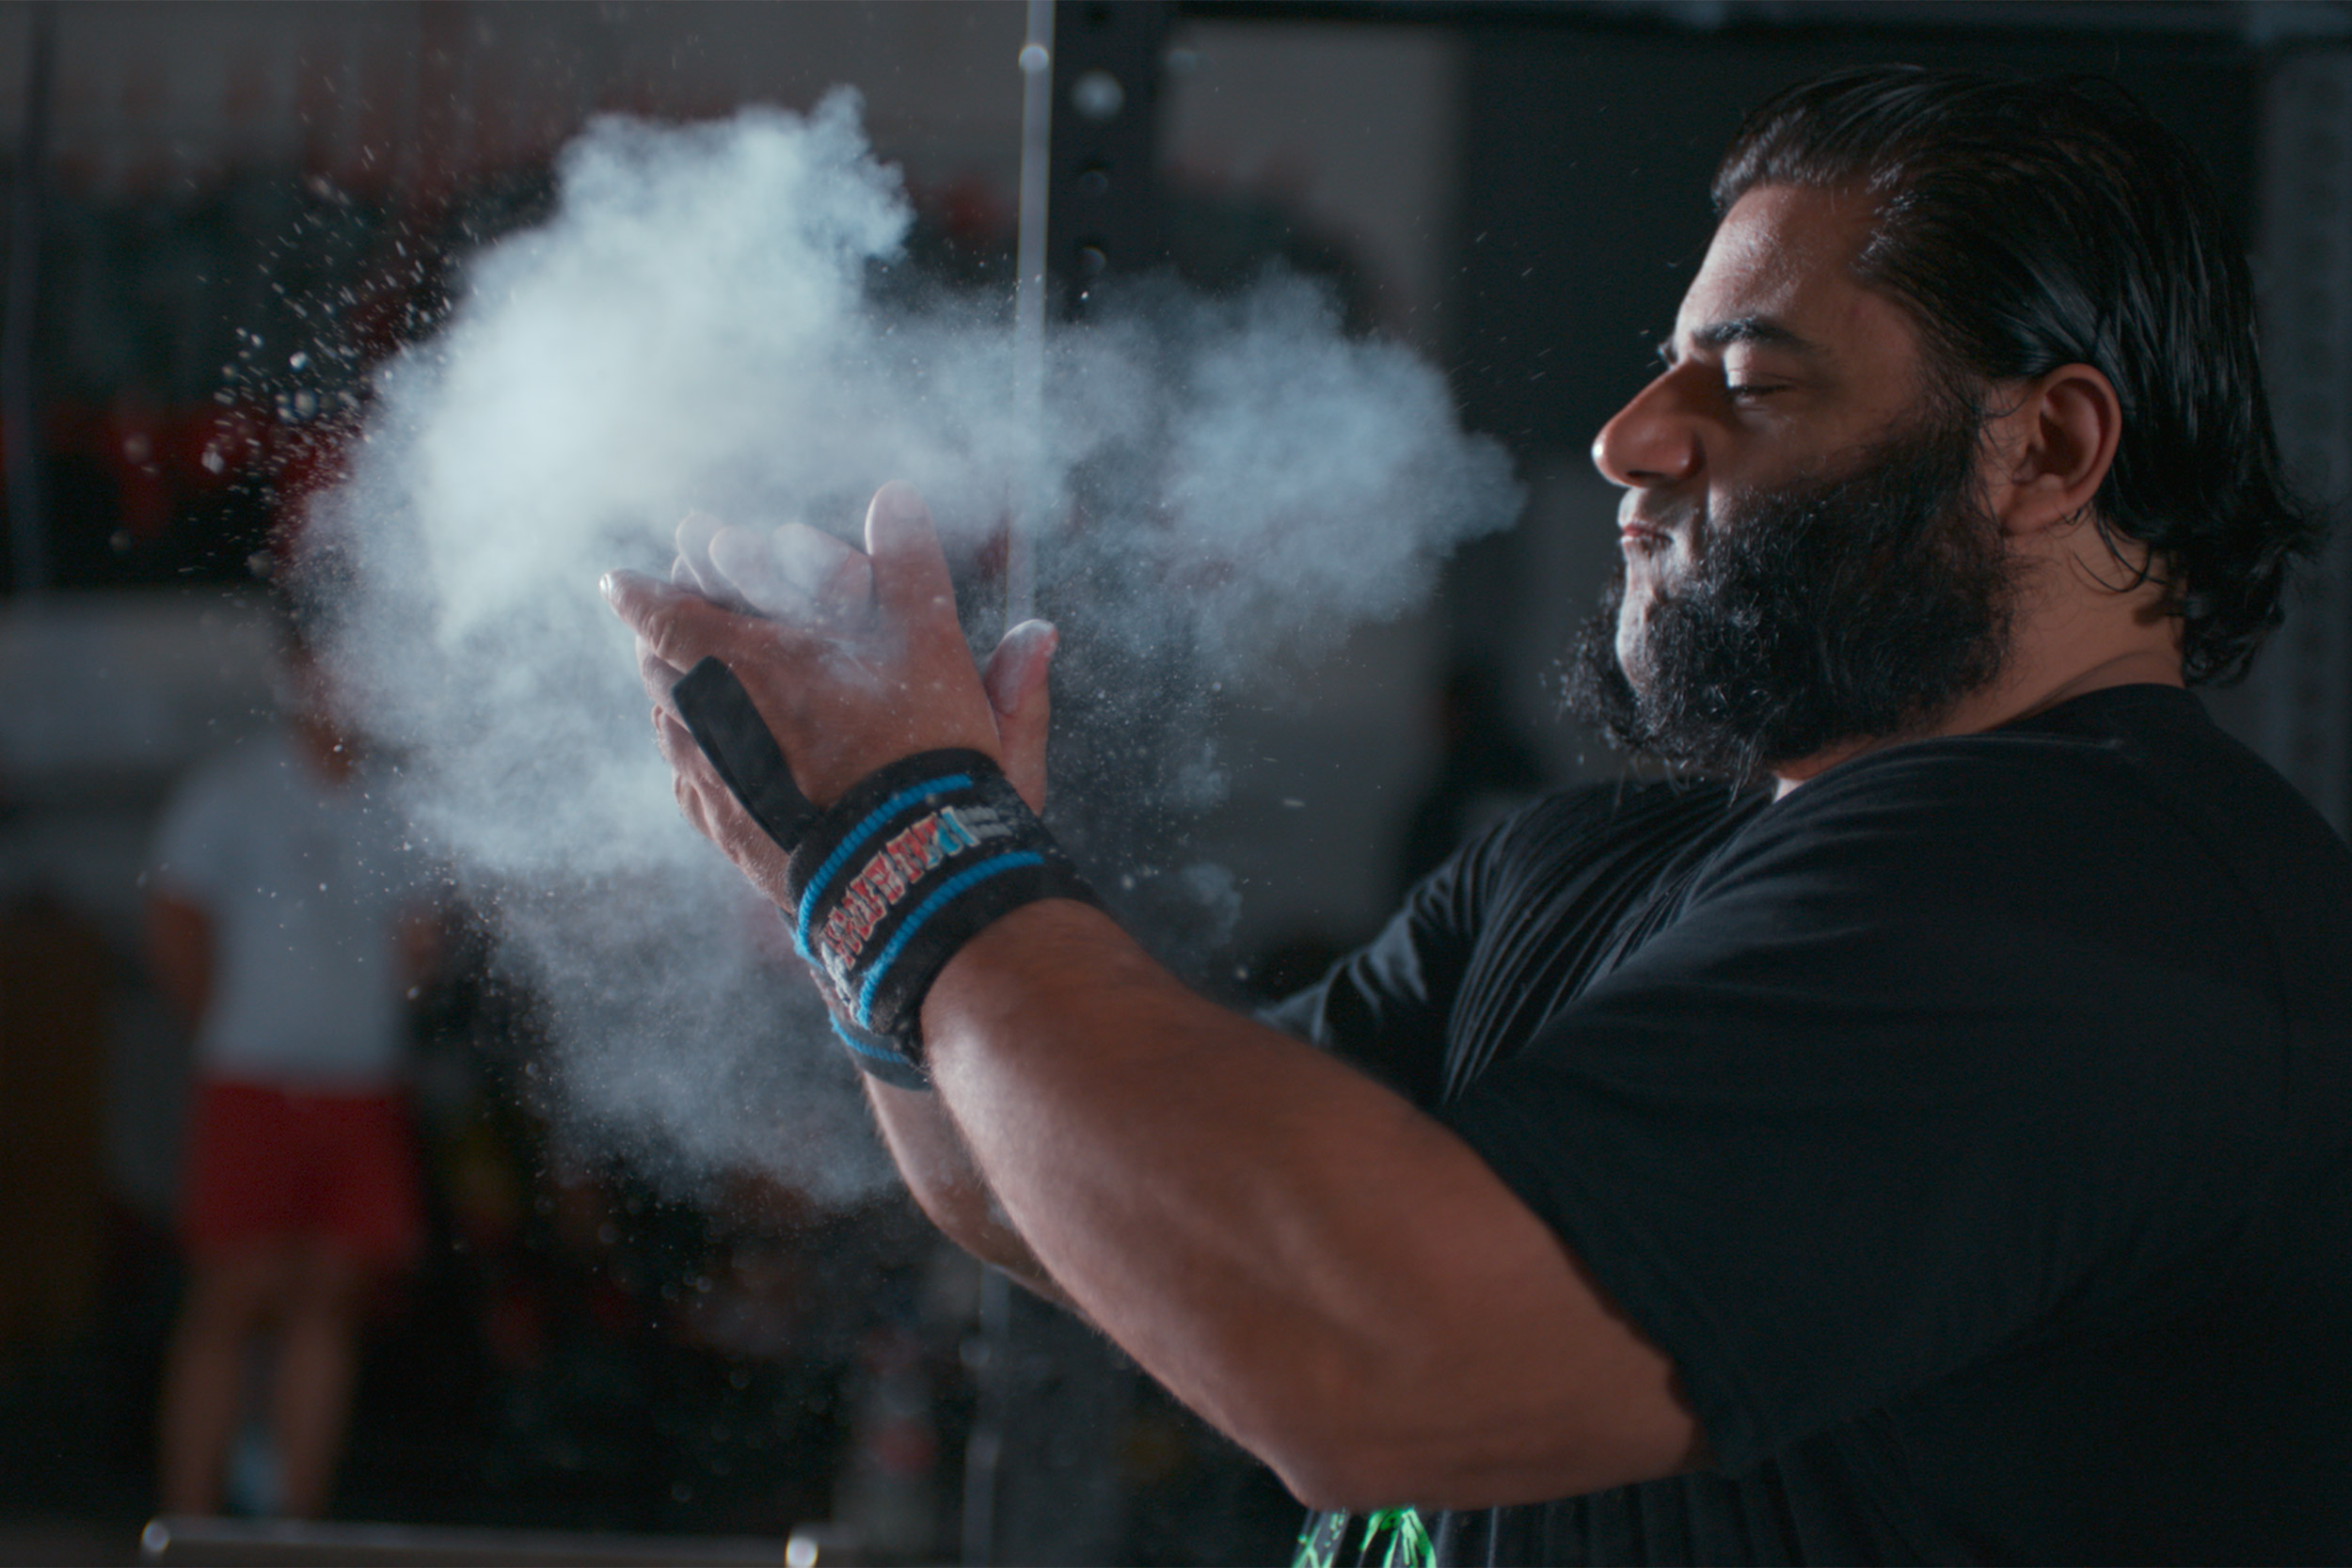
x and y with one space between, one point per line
20 402
1028 312
984 1452
984 1464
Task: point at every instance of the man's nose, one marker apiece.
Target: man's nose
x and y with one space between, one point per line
1651 442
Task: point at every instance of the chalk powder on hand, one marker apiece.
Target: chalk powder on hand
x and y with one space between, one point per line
694 330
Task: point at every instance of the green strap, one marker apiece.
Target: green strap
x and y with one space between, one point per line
1320 1542
1325 1538
1409 1546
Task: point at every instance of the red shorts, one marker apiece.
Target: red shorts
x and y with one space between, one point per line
267 1167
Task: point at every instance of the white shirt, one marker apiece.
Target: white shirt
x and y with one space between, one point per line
306 882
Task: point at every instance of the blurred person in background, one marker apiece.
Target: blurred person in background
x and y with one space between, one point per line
285 926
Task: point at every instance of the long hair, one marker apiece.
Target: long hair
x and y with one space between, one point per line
2030 224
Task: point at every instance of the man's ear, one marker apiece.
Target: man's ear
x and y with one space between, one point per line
2056 443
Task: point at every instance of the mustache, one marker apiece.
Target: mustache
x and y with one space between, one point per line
1654 530
1660 520
1694 516
1642 511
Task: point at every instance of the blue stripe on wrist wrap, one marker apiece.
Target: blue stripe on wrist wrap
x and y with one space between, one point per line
953 888
859 834
891 880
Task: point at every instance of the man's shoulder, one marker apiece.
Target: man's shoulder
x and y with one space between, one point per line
2125 818
2130 756
1616 816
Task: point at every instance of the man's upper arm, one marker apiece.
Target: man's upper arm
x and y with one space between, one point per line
1384 1007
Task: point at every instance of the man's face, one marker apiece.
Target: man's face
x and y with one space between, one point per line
1804 562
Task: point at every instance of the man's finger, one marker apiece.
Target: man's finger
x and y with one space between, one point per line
695 531
910 582
677 746
849 592
750 569
839 580
679 627
713 811
1016 671
807 558
694 779
659 677
1017 688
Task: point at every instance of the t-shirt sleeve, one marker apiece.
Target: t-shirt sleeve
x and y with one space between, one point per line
1929 1067
196 851
1383 1008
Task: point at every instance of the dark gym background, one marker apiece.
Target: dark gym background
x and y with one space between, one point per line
1517 190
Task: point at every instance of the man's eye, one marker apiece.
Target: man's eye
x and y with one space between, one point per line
1747 391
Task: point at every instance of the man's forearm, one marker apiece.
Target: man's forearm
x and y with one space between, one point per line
1328 1275
1335 1278
948 1187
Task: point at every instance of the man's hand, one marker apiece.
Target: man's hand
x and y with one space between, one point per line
816 587
858 662
1195 1183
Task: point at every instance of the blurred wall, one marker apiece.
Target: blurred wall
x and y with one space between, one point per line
1520 191
154 94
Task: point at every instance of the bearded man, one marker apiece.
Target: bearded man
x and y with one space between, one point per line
1935 1150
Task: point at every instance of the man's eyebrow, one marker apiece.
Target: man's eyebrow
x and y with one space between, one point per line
1743 329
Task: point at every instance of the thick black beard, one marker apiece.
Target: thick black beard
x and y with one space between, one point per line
1819 613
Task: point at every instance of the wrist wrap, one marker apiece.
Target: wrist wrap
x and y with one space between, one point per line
889 881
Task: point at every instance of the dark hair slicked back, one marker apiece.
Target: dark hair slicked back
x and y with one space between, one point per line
2030 224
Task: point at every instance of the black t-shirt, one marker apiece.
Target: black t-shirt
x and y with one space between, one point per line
1970 1127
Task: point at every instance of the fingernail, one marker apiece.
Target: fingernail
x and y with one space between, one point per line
898 501
606 586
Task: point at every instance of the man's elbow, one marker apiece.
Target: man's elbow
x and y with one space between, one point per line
1342 1481
1335 1445
1361 1482
1361 1459
1362 1475
959 1208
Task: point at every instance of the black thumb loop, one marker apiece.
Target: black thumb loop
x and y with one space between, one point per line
719 713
